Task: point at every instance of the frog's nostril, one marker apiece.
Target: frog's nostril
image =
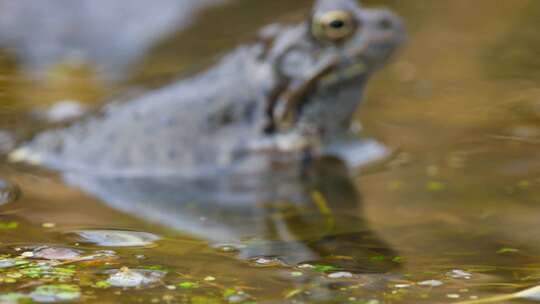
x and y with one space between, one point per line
385 24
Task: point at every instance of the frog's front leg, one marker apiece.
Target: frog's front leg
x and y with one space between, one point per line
287 105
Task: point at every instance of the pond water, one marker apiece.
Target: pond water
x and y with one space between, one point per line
451 218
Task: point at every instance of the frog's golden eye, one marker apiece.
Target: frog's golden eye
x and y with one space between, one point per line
334 26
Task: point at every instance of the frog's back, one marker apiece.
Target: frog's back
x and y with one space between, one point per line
196 121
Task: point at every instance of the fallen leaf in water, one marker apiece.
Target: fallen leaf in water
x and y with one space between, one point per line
532 294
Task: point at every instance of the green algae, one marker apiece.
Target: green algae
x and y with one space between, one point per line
435 186
15 298
205 300
188 285
9 225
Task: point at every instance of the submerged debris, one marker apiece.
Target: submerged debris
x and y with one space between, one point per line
62 254
9 192
56 293
129 278
7 143
14 298
8 263
507 250
431 283
532 294
56 253
234 296
459 274
341 275
319 267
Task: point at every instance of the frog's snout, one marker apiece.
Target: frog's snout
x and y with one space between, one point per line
383 34
386 26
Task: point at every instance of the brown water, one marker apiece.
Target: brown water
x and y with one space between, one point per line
461 103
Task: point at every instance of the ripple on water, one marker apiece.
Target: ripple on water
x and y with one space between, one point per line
9 192
114 238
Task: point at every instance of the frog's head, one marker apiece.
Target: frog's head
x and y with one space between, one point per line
324 64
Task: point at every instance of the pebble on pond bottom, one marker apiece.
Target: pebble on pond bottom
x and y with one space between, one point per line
127 278
116 238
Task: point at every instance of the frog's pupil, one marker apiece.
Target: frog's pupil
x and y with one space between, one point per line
337 24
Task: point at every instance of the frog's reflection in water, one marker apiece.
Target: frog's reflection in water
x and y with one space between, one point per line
317 218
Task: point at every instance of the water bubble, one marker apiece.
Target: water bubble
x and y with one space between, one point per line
266 262
228 248
9 192
238 297
116 238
